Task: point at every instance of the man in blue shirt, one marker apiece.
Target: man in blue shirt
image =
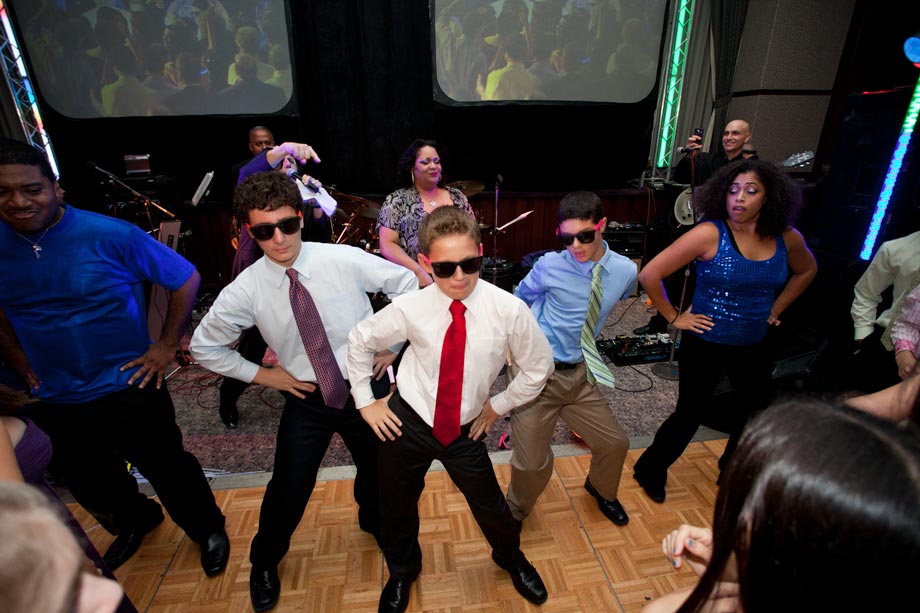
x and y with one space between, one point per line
558 290
75 328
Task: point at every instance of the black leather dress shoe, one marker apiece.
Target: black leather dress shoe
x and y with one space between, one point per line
526 580
126 545
264 588
215 552
395 595
655 492
612 509
230 417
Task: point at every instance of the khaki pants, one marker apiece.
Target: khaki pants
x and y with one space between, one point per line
585 409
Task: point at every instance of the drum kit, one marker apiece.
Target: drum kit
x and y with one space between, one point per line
355 221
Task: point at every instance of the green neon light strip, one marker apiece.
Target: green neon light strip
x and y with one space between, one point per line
674 86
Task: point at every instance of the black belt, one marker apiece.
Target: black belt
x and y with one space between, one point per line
565 366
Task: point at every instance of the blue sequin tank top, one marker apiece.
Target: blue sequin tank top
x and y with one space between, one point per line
738 293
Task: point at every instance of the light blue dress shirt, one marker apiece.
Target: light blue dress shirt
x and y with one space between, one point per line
558 288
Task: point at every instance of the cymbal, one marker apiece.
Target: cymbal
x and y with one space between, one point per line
469 188
357 204
369 210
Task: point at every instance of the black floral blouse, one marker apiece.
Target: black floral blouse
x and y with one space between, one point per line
402 212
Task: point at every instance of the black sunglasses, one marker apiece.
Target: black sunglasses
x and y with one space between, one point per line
445 270
264 231
584 237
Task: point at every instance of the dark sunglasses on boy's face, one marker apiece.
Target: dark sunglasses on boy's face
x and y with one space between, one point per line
445 270
265 231
584 237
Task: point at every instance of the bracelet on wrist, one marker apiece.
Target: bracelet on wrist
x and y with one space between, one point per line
675 318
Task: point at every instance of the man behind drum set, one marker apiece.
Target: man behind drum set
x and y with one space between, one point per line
694 169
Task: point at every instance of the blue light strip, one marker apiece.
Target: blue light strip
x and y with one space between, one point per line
891 179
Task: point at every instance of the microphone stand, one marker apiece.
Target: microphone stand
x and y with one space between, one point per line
147 201
669 370
498 181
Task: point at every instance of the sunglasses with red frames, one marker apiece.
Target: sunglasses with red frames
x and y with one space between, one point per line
265 231
445 270
584 237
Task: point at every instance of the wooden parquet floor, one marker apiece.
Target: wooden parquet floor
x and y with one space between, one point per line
587 563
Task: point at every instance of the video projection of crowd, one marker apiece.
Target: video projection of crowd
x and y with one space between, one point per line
547 50
135 58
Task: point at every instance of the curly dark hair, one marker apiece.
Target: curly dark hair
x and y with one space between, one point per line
407 161
266 191
782 198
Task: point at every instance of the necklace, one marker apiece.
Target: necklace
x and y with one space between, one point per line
36 248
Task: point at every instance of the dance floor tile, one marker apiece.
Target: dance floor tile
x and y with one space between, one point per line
587 563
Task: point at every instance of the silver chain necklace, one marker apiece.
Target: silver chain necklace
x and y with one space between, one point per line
36 248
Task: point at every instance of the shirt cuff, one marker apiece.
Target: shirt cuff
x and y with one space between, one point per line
904 345
500 404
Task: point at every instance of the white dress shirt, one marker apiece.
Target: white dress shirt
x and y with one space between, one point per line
496 322
338 277
895 264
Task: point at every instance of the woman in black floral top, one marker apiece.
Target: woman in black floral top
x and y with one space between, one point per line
422 191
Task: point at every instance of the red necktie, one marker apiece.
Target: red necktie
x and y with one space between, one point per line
450 378
313 334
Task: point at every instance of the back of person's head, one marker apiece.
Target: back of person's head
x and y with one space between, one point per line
820 506
17 152
446 221
407 160
246 67
516 48
247 39
40 561
266 191
580 205
573 56
782 198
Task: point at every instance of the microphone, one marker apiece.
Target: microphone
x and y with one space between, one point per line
310 184
685 150
498 180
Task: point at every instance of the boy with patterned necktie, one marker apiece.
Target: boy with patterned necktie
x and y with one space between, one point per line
460 332
305 298
571 293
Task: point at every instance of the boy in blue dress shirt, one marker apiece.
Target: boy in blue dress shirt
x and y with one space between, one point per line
560 290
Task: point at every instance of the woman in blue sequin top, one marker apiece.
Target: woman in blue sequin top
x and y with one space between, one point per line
743 250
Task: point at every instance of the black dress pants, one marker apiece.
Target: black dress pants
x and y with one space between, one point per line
702 366
92 441
304 434
403 465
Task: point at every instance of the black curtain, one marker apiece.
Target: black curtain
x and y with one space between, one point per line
727 26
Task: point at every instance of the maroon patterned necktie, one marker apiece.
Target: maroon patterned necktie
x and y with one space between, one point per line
450 378
313 334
